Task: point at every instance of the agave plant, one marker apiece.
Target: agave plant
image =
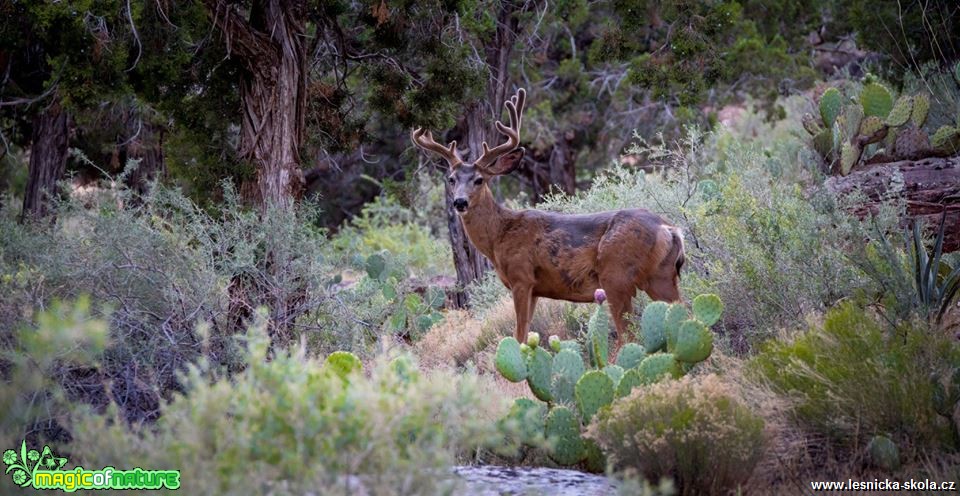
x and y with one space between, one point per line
937 283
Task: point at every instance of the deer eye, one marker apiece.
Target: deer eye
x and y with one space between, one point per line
452 181
478 181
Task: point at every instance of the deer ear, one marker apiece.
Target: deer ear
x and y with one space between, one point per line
507 162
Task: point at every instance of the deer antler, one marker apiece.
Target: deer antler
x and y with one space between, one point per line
515 110
424 139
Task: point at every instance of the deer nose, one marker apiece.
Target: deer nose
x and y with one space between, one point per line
460 204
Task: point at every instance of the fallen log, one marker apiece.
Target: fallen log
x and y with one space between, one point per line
930 187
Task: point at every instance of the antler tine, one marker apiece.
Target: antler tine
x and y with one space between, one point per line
424 139
515 110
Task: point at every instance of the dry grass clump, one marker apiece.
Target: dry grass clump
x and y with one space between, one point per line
695 430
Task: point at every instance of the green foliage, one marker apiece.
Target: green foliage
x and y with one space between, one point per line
707 308
901 111
883 453
853 376
631 379
694 342
344 364
285 424
937 283
694 431
567 369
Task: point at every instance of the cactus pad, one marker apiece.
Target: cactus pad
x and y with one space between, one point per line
630 355
830 103
823 143
567 369
598 337
539 374
946 139
405 368
870 127
694 342
614 371
676 314
901 112
376 266
876 100
563 429
849 156
811 124
707 308
921 107
344 363
651 326
884 453
630 380
658 366
593 391
529 418
911 143
509 360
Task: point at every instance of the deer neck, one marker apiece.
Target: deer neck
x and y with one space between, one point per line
484 221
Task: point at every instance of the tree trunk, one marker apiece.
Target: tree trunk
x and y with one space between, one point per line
48 160
145 145
480 117
930 187
272 91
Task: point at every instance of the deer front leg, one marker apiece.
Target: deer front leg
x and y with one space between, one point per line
620 305
523 307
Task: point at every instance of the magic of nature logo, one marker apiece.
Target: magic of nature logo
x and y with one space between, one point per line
44 470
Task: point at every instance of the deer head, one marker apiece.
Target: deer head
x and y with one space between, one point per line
469 181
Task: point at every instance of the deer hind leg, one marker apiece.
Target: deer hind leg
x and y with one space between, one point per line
523 303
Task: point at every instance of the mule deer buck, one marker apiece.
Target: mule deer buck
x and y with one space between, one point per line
566 257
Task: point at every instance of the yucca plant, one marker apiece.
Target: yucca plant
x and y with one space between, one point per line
936 282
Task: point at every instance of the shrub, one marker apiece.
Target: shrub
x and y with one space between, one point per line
693 430
852 378
290 425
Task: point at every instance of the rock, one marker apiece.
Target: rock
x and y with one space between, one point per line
494 480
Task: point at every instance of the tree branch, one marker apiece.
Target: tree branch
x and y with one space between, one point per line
254 48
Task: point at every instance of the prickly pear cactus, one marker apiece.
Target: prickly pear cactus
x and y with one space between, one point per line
540 373
595 461
615 372
876 100
593 391
509 360
533 339
694 342
811 124
598 337
528 416
849 156
921 107
884 453
707 308
659 366
631 379
872 129
563 429
901 111
676 314
946 140
631 354
554 343
830 104
911 143
567 369
344 363
651 326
